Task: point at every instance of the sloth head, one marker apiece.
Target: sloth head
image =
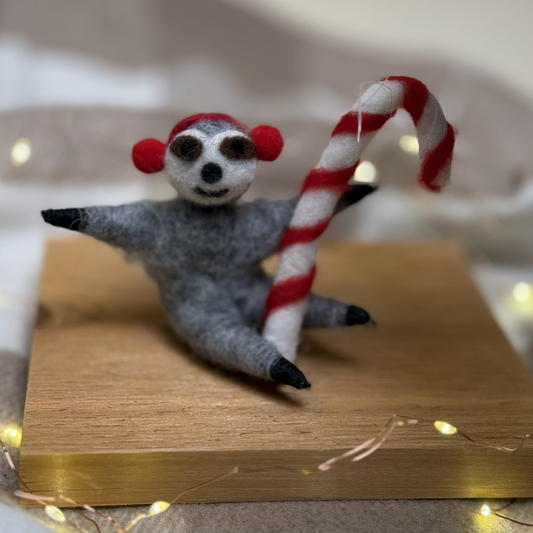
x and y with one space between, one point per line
210 158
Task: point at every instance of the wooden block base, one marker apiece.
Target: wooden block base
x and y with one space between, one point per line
119 412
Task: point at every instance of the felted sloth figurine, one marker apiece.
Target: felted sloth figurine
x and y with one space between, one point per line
204 248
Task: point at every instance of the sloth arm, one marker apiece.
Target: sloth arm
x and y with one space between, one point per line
263 223
132 227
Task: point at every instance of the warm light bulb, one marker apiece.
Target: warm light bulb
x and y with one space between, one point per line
409 144
485 510
12 434
366 172
445 428
54 513
21 152
522 292
158 507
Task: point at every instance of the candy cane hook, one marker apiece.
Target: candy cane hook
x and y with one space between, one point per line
323 186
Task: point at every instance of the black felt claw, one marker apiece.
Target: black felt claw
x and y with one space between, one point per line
65 218
356 315
283 371
354 194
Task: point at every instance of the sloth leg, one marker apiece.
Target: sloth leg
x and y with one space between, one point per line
218 333
321 312
325 312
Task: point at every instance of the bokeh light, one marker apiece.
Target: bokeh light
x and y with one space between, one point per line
55 513
485 510
445 428
523 292
366 172
409 144
21 152
158 507
12 435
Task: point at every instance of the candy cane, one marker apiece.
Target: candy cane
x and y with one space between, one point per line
286 304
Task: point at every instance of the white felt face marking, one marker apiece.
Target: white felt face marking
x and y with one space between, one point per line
202 173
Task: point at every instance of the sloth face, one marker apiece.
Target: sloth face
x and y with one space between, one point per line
211 164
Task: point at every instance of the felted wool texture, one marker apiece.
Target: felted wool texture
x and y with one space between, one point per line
268 142
324 186
212 127
236 174
206 261
203 249
238 148
148 155
128 226
186 147
208 120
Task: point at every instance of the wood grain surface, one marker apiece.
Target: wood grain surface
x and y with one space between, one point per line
119 411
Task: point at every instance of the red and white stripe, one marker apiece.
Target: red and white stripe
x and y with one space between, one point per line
286 304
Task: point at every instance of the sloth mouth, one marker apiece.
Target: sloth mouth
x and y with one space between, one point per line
210 194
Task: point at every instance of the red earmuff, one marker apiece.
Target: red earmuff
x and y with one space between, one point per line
148 155
268 142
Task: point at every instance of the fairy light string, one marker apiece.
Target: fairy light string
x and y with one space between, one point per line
358 453
487 511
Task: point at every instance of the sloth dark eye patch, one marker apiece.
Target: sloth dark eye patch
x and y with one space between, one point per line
187 148
237 148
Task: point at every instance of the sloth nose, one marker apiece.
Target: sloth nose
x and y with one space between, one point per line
211 173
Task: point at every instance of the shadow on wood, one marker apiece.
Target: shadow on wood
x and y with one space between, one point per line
119 412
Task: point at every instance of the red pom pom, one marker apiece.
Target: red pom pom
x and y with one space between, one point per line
268 142
148 155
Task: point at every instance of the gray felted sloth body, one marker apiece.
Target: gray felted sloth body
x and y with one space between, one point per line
204 248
